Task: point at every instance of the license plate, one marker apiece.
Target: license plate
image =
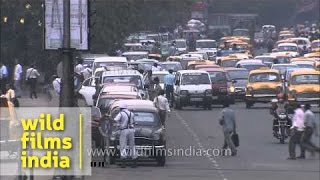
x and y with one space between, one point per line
214 97
196 99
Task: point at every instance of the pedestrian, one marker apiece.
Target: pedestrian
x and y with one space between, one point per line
169 81
86 72
31 76
56 83
3 77
17 77
172 49
150 84
11 95
162 105
154 91
310 128
297 129
79 67
228 123
304 51
125 118
155 67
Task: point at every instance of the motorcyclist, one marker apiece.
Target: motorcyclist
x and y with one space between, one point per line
278 106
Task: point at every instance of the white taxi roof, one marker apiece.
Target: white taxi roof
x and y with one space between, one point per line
125 72
135 53
206 40
119 88
287 44
192 71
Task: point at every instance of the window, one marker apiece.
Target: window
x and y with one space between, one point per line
195 78
218 77
264 77
124 79
146 118
306 79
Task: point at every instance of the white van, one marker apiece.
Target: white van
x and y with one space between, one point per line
110 61
193 87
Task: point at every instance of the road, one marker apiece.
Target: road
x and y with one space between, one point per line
260 156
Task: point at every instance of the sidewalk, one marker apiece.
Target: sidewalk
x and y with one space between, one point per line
42 101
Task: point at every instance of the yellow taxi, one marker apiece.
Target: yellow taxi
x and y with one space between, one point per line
315 45
228 61
263 85
313 55
303 87
192 64
317 66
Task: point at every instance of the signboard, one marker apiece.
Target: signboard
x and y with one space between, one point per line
78 24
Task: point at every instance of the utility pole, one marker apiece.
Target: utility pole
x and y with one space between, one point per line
67 79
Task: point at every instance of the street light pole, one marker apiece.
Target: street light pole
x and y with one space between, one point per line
67 89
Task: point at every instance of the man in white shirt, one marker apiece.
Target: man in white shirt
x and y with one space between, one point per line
32 76
79 67
3 78
155 67
296 132
162 105
56 83
17 76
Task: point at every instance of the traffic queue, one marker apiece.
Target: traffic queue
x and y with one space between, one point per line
204 74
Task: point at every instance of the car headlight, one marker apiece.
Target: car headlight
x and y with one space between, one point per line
282 116
183 92
231 89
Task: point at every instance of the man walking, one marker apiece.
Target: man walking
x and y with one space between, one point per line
228 123
162 105
125 118
3 77
297 130
168 86
17 76
31 77
310 128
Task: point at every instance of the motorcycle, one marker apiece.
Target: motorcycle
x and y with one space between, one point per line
282 128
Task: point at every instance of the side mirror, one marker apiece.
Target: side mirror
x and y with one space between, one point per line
177 83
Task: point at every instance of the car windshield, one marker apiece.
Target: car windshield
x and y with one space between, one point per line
315 45
303 65
195 78
229 63
264 77
206 44
288 48
306 79
218 77
251 67
181 44
124 79
236 74
174 67
145 118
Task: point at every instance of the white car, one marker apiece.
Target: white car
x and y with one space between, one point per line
109 62
301 42
181 45
291 48
193 87
135 55
209 46
160 75
304 64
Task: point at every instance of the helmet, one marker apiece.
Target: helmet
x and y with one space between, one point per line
123 106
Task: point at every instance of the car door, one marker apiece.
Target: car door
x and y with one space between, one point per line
177 84
87 90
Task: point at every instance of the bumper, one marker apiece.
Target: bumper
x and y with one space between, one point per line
220 98
145 151
264 98
315 100
194 100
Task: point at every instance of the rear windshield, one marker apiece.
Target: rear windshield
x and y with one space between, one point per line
218 77
195 78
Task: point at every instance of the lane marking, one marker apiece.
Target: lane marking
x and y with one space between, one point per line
200 145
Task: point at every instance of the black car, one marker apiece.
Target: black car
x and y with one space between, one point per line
150 139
